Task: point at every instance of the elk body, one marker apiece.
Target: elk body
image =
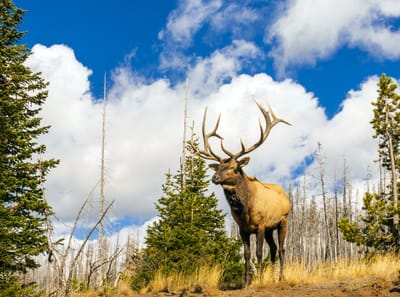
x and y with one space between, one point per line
257 208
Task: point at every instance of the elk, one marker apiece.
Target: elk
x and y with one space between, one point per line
257 208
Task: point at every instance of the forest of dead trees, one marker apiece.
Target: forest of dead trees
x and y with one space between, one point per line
313 232
319 200
313 237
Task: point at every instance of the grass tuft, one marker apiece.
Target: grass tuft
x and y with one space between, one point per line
297 274
204 278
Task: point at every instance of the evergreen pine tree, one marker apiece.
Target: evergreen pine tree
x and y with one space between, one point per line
190 232
22 205
378 227
386 125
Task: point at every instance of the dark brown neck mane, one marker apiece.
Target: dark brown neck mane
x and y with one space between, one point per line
237 195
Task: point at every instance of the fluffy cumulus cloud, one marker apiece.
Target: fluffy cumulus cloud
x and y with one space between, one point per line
209 73
191 16
187 19
74 118
182 25
345 137
144 129
297 32
142 135
306 30
215 17
236 19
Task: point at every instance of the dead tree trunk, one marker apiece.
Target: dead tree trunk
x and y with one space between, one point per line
337 251
328 254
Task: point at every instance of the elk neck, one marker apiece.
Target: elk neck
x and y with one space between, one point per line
238 194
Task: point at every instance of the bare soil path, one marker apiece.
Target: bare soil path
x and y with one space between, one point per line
363 287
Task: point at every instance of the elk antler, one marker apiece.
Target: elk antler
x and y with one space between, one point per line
207 153
270 119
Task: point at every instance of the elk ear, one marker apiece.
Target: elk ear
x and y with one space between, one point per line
214 166
243 162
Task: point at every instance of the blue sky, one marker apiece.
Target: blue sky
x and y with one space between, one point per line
316 63
103 35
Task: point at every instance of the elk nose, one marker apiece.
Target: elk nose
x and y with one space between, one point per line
215 179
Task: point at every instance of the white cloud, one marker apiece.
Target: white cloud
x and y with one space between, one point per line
236 19
306 30
141 141
137 234
347 137
190 17
144 128
210 73
379 41
187 19
74 118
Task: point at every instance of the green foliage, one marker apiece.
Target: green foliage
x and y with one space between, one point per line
376 228
386 121
22 206
190 232
11 287
373 229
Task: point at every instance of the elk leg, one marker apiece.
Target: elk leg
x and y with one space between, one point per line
282 228
246 245
271 243
259 251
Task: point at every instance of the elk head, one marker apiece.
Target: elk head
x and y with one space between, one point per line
228 170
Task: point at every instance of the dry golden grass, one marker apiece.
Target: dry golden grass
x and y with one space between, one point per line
89 293
122 290
298 274
205 278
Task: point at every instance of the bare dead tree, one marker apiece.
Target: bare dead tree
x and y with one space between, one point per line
108 261
79 252
328 254
344 190
66 260
336 202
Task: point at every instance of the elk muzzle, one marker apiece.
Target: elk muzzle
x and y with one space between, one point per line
216 179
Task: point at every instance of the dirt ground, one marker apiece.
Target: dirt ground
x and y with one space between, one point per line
364 287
